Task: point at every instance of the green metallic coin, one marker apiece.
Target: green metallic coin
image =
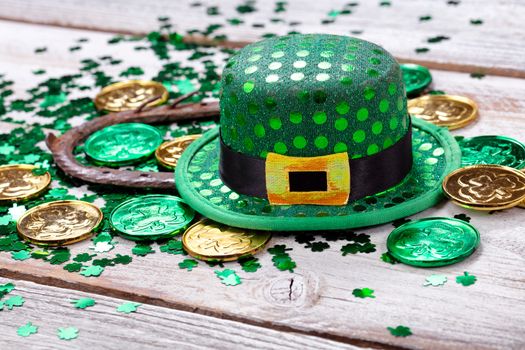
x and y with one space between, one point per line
416 78
433 242
151 217
500 150
122 144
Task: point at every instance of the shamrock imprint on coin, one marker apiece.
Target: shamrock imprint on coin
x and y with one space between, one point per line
488 149
487 186
18 182
151 216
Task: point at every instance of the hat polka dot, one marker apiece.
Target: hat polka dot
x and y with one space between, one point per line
302 53
303 96
374 60
270 103
259 130
275 65
438 151
299 64
349 56
280 148
206 176
372 149
372 73
275 123
388 142
359 136
225 189
248 143
296 117
253 108
272 78
377 127
324 65
321 142
362 114
257 49
431 161
322 77
216 200
342 107
299 142
250 70
393 123
327 54
319 118
215 182
248 86
320 96
206 192
263 154
392 89
369 93
341 124
277 54
233 196
297 76
254 58
347 67
241 119
340 147
346 81
400 103
383 106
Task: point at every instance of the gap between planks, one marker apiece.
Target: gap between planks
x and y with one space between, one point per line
205 41
145 299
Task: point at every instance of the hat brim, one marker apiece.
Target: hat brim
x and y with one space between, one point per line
435 152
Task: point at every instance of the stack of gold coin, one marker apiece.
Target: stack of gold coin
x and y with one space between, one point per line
211 241
169 152
453 112
129 95
18 182
59 223
486 187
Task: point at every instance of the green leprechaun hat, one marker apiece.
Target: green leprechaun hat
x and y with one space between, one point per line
314 134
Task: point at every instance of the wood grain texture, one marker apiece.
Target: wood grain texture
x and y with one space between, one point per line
317 298
493 47
151 327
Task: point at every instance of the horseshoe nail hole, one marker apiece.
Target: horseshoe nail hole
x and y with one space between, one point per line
106 172
144 175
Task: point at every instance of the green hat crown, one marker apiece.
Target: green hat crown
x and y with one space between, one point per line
312 95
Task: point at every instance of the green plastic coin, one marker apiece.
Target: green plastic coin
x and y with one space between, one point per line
500 150
122 144
416 78
433 242
151 217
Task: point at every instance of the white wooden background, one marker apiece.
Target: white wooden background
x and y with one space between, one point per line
192 309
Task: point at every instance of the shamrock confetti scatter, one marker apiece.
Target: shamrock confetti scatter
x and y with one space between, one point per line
435 280
73 267
388 258
363 293
188 264
83 303
400 331
27 329
249 264
128 307
92 271
21 255
228 277
67 333
102 247
15 300
466 279
281 259
142 250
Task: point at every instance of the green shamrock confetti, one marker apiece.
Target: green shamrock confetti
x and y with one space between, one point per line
27 329
142 250
83 303
73 267
91 271
228 277
319 246
84 257
466 279
6 288
172 247
388 258
188 264
249 263
463 217
363 293
102 247
400 331
435 280
281 259
59 256
122 259
67 333
21 255
128 307
15 300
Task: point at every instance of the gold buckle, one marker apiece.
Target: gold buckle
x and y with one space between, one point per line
300 180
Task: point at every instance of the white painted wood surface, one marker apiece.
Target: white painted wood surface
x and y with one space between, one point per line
495 46
150 327
489 314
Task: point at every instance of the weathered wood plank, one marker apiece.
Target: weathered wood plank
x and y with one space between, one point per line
317 298
492 47
151 327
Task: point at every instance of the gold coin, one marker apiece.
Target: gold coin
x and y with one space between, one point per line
453 112
17 182
129 95
169 152
211 241
485 187
522 204
59 223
